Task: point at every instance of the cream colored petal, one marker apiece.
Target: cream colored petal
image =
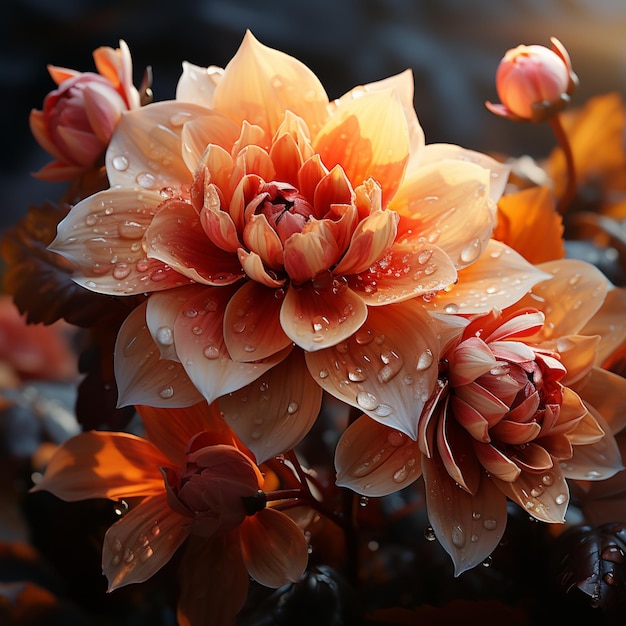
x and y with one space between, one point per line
210 130
606 393
259 84
387 369
498 279
197 84
274 548
104 465
253 315
499 172
102 236
469 527
275 412
142 542
470 359
146 149
315 319
448 203
142 376
374 460
218 224
369 137
578 354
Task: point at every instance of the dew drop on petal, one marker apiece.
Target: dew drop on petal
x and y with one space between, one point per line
356 375
400 475
165 336
292 408
561 498
383 410
429 533
211 352
121 271
145 180
364 336
458 536
120 163
239 326
547 479
367 401
129 229
490 524
395 438
323 374
166 392
424 361
451 308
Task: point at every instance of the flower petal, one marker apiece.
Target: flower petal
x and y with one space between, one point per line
197 84
318 318
368 136
374 460
606 393
496 280
259 84
142 542
387 369
142 376
469 527
275 412
254 268
104 465
274 548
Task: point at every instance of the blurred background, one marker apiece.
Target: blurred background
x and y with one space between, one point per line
452 46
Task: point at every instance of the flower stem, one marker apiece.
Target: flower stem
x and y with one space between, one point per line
563 140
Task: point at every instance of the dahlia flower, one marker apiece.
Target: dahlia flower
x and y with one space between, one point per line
78 118
517 410
266 222
196 481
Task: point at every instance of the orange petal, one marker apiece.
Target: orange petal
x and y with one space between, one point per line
545 496
498 279
495 462
259 84
275 412
577 353
368 136
469 527
39 128
274 548
515 433
308 253
142 376
142 542
217 559
260 237
217 224
253 314
146 149
483 401
606 393
470 359
254 268
387 369
522 215
201 134
318 318
448 203
375 460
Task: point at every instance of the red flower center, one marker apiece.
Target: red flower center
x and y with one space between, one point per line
285 208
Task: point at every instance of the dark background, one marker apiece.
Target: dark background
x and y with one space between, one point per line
453 47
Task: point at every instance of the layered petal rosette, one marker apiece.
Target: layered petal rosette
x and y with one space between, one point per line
197 484
260 216
516 411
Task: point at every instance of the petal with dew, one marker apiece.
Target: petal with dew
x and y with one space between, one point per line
142 376
197 84
308 253
146 149
316 318
387 369
217 559
368 136
469 527
275 412
201 134
104 465
259 84
374 460
142 542
274 548
496 280
470 359
606 393
254 268
253 314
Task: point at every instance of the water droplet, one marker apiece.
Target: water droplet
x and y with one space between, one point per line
395 438
145 180
547 479
424 256
471 252
537 491
367 401
356 375
249 348
451 308
129 229
400 475
363 501
146 554
609 578
425 360
364 336
264 386
165 336
429 533
474 538
292 408
574 280
458 536
393 364
129 556
211 352
487 562
120 163
320 323
166 392
383 410
614 554
155 531
323 374
561 498
592 474
256 434
239 326
476 515
490 524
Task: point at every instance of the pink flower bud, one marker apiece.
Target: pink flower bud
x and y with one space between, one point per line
79 117
533 82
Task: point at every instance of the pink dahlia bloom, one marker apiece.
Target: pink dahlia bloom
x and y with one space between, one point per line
273 229
79 117
518 408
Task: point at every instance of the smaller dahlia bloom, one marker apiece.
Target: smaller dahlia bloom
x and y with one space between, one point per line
198 483
79 117
517 410
534 82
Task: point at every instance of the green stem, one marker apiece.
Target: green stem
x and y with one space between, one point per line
563 140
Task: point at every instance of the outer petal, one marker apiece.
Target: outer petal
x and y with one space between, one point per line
469 527
274 548
102 237
448 203
259 84
317 318
275 412
217 559
142 542
606 393
369 138
253 314
146 148
498 279
375 460
387 369
142 376
197 84
104 465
